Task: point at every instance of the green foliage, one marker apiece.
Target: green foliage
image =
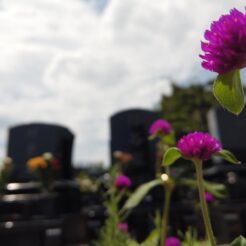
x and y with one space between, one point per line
228 156
228 90
140 193
154 236
189 238
171 155
218 190
87 183
152 239
5 172
169 139
239 241
109 233
186 108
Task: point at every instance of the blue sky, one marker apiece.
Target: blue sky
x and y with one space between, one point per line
77 62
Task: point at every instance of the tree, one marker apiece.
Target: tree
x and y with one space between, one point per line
187 107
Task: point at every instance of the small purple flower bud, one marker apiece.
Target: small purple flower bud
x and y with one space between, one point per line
208 197
160 126
198 145
225 45
172 241
122 182
123 227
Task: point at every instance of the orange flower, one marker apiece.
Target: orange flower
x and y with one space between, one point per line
37 162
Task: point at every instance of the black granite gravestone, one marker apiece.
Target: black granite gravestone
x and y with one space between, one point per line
129 133
30 140
230 130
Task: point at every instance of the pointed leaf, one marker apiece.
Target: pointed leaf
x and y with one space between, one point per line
152 239
229 92
239 241
140 193
171 155
228 156
218 190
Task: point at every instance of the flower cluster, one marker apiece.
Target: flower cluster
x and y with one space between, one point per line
160 126
198 145
225 45
45 169
37 162
43 162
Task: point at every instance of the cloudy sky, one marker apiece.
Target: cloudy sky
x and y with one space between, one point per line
76 62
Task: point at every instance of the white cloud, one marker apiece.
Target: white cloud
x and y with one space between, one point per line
70 63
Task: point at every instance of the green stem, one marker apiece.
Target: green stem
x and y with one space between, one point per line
165 214
157 169
204 207
158 162
168 171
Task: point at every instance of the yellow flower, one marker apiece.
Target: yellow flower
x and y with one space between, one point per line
37 162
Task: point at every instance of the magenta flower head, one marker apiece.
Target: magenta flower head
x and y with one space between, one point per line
225 45
160 126
122 182
123 227
208 197
172 241
198 145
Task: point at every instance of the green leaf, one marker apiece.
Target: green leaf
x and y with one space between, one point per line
228 156
218 190
171 155
229 92
187 182
239 241
140 193
169 139
131 242
152 239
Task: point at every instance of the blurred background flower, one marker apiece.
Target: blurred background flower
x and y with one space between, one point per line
122 182
160 126
172 241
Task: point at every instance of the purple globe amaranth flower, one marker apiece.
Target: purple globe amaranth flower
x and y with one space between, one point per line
172 241
198 145
122 182
123 227
208 197
160 126
225 45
